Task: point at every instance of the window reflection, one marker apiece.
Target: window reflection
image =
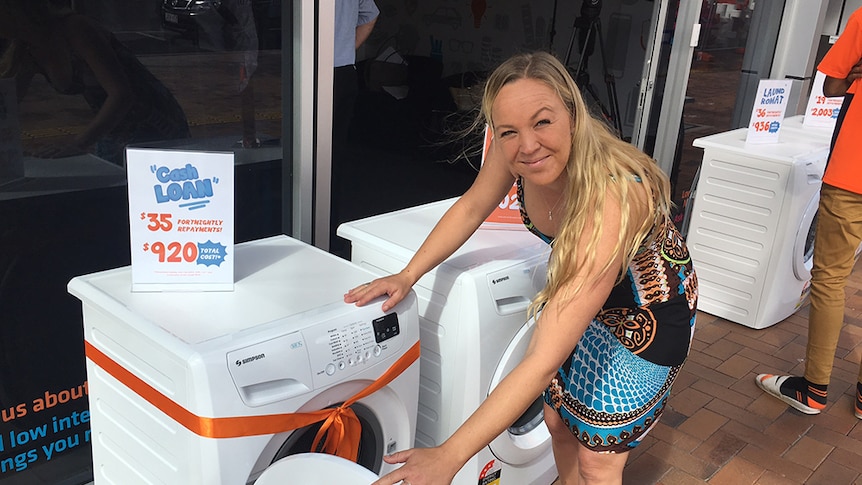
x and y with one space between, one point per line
82 80
77 56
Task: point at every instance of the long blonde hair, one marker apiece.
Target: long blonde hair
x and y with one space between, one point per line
600 164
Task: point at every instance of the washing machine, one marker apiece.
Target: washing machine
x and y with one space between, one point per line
751 229
474 330
213 387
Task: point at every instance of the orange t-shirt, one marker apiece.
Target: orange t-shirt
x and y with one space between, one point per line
845 164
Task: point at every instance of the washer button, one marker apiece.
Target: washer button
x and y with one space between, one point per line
330 369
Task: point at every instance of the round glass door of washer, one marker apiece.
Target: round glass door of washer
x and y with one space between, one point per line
316 469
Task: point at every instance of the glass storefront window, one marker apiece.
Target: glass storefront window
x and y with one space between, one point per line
82 80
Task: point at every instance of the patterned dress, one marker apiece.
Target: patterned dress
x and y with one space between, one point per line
615 384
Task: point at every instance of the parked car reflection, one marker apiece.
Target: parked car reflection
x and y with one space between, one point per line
193 18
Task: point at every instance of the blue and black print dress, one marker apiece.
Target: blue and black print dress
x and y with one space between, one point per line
614 386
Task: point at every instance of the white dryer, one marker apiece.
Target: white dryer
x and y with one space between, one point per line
199 388
751 228
474 330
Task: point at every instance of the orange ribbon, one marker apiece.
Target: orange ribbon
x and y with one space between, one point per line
341 429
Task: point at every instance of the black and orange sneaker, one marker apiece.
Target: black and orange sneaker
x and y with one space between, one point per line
797 391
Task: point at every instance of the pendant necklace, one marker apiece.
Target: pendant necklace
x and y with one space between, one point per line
552 209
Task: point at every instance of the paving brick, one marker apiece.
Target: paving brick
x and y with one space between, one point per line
723 349
737 366
777 464
706 332
809 452
847 459
719 448
754 343
767 406
704 359
703 424
702 372
769 477
832 473
647 469
768 363
689 400
679 477
671 417
850 443
754 437
738 414
738 472
790 426
682 460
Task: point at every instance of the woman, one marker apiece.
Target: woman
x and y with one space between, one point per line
615 320
77 56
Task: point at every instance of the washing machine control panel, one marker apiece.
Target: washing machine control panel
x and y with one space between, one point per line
352 345
322 354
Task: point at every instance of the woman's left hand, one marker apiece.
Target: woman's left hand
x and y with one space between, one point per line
422 466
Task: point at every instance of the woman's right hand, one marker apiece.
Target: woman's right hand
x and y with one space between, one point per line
396 287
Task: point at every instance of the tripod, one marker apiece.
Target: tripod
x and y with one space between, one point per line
587 28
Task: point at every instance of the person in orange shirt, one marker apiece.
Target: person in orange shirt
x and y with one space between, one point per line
838 233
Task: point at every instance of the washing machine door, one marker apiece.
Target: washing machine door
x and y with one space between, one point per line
528 438
803 247
316 469
371 440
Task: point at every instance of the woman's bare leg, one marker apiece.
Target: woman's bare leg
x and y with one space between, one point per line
577 464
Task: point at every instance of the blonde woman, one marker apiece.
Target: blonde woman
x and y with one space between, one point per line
615 321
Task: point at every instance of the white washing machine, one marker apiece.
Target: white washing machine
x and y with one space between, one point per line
751 228
199 388
474 330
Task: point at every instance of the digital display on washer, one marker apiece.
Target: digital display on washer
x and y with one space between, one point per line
386 327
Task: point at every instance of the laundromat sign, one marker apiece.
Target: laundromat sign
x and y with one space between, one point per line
181 220
768 112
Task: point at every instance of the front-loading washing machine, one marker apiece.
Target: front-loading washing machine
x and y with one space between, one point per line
214 387
751 228
474 330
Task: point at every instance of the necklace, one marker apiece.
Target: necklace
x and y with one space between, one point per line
552 209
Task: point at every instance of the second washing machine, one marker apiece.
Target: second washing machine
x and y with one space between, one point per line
751 228
474 330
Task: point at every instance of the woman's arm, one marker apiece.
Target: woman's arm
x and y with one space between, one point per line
558 330
454 228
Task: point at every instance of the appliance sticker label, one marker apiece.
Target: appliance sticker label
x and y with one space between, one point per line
490 473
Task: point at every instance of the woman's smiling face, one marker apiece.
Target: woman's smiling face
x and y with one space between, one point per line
534 130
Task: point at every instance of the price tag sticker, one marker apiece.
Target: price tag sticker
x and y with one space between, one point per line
181 220
768 112
822 111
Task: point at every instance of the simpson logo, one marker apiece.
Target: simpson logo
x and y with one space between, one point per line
500 280
253 358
